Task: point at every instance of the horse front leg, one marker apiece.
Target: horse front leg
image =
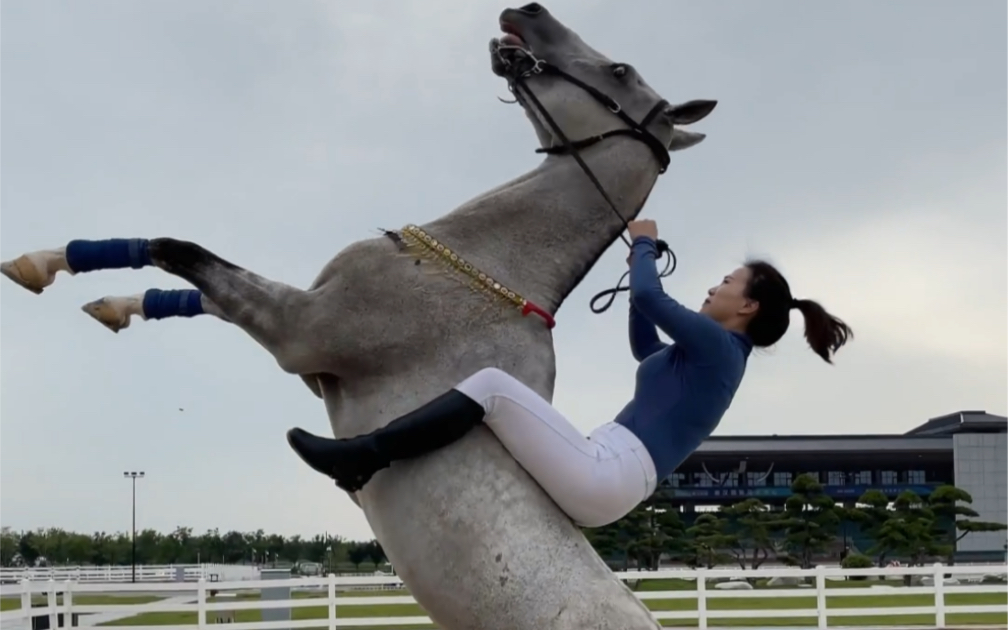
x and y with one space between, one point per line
279 317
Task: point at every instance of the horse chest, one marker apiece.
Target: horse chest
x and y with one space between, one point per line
395 308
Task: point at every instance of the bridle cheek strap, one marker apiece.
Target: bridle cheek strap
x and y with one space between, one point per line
634 129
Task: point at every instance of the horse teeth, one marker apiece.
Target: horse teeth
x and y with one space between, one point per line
510 39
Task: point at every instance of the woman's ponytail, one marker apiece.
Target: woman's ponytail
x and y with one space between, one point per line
825 333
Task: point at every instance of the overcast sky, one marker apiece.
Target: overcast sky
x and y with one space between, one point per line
861 145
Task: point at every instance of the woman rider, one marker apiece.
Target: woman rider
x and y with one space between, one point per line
682 391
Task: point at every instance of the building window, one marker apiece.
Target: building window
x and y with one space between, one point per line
836 478
702 480
730 480
915 476
862 478
756 479
676 480
782 479
889 478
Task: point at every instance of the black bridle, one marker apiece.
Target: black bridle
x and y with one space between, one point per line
634 129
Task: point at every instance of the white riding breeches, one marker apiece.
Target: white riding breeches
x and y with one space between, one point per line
596 479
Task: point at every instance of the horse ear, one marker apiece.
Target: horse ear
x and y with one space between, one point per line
684 139
689 112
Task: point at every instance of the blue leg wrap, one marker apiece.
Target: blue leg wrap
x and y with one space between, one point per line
158 304
113 253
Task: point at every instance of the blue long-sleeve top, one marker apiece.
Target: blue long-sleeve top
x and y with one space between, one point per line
684 388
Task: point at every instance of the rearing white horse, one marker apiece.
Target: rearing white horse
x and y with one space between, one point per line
388 324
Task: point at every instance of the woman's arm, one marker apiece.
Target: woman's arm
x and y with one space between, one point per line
695 333
643 335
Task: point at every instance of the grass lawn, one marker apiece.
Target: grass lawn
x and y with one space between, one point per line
865 601
14 603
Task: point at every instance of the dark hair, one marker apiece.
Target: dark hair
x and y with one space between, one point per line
824 333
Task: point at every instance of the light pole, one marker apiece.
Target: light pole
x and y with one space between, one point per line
133 476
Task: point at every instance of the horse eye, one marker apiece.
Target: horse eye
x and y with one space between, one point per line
619 71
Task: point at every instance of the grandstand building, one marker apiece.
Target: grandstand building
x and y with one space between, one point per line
968 449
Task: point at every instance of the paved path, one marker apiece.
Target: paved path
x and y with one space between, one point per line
99 618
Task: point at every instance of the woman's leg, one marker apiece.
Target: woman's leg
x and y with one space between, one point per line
352 462
593 481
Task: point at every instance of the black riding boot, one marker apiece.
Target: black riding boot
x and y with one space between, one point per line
352 462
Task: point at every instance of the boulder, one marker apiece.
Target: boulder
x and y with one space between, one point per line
734 586
785 581
928 580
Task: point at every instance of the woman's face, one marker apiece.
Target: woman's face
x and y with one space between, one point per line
727 300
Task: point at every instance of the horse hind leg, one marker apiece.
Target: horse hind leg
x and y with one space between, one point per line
283 319
37 270
279 317
116 312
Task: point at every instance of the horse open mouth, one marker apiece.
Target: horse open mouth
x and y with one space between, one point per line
509 52
512 38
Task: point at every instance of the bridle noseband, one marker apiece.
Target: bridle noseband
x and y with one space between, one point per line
636 130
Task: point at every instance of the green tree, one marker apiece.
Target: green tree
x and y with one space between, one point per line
910 531
180 546
375 553
358 553
28 548
622 539
871 513
604 540
658 530
955 519
752 525
708 541
77 548
809 521
8 546
210 546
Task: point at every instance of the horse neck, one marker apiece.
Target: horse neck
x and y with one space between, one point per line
541 232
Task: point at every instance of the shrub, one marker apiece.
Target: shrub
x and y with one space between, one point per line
857 561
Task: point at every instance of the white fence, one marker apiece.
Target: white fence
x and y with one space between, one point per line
117 573
704 593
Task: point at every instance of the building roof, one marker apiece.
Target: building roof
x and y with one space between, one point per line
934 436
834 444
962 422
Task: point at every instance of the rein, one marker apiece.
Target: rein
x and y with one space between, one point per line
634 129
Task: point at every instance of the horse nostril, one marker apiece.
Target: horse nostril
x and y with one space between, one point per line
531 8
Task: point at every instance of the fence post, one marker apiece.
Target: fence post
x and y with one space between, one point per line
201 602
276 593
53 618
332 601
701 598
67 604
939 595
820 587
26 601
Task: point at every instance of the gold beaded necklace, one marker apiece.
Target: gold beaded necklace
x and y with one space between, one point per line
429 247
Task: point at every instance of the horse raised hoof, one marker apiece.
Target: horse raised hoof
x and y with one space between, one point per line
111 312
31 271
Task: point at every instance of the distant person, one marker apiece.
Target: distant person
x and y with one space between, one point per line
682 391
